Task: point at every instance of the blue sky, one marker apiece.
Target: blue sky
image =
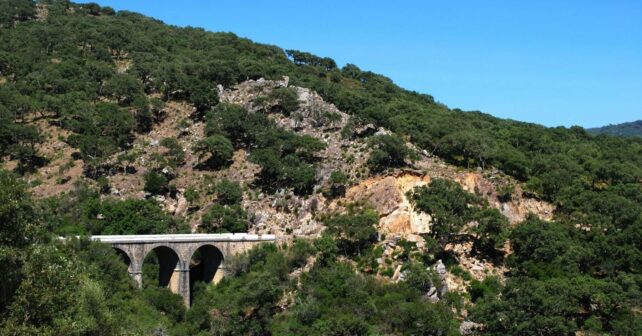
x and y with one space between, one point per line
573 62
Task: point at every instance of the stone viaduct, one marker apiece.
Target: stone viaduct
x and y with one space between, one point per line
182 258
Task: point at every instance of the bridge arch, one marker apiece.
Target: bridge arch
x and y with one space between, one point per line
123 255
205 266
165 262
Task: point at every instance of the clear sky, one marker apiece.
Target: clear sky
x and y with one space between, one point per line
553 62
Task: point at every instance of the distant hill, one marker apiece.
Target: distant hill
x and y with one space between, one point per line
627 129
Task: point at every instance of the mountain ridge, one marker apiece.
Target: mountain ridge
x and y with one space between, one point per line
626 129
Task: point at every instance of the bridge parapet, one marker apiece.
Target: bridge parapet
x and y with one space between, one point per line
184 238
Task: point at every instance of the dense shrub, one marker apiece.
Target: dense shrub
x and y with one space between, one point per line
229 192
218 149
337 184
101 131
175 155
133 217
81 211
287 99
286 159
388 151
354 231
156 183
224 218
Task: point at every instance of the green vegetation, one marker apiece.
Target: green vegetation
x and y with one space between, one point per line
51 288
286 98
156 183
82 287
286 159
332 300
337 185
354 231
219 149
83 212
175 155
224 218
229 192
388 151
578 273
227 215
452 208
101 130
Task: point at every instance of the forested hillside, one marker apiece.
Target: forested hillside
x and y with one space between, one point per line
115 123
628 129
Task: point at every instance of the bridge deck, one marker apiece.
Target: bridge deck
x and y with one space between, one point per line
184 238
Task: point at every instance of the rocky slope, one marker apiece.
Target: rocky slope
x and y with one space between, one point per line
284 213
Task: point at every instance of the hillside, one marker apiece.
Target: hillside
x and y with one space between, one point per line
398 215
627 129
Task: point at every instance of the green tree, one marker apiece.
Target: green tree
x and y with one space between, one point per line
142 114
229 120
539 248
102 131
19 224
17 10
175 154
389 151
490 232
224 218
448 204
556 306
156 183
46 300
336 184
229 192
132 217
354 231
123 88
420 277
218 150
17 213
287 99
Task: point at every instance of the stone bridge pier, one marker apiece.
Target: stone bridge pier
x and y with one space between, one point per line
183 259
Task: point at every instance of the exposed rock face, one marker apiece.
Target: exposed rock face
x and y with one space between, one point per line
387 195
399 220
381 193
469 327
516 209
440 268
176 206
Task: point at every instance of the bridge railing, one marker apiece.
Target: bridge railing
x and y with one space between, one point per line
185 237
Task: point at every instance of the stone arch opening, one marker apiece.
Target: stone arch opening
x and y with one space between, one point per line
160 268
204 267
124 257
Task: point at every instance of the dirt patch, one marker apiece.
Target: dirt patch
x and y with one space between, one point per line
122 65
62 170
